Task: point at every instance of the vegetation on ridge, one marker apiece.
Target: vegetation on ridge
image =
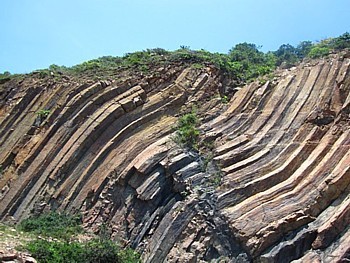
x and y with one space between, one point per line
244 62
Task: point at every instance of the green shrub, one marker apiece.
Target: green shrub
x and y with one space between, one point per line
183 55
93 251
197 66
303 49
53 224
224 99
101 250
216 179
342 41
62 227
56 252
43 113
4 77
187 133
107 251
42 73
286 53
247 62
318 52
129 255
158 51
243 63
136 58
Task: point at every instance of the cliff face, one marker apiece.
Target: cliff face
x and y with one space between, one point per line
272 185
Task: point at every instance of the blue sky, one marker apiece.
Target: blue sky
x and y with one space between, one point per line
38 33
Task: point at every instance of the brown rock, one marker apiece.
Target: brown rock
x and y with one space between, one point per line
270 178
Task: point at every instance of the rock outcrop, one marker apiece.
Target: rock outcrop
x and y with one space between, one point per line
16 258
270 183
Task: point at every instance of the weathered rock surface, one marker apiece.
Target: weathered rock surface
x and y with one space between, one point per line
15 257
276 190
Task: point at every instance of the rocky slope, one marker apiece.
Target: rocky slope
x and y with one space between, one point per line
270 182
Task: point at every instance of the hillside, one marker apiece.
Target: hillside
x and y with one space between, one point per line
254 172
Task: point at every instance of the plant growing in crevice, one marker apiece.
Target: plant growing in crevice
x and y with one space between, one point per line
43 113
216 178
207 159
187 133
224 99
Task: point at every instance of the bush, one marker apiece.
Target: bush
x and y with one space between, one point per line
341 42
303 49
318 52
93 251
6 76
247 62
43 113
107 251
53 224
56 252
187 133
286 54
224 99
63 226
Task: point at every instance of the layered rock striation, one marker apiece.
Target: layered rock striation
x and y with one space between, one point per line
269 183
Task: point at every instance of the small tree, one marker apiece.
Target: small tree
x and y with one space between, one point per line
342 41
303 49
286 53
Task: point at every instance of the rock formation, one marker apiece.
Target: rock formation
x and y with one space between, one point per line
270 182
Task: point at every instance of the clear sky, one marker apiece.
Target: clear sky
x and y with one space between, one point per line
37 33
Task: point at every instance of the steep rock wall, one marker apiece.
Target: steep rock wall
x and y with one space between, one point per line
270 183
